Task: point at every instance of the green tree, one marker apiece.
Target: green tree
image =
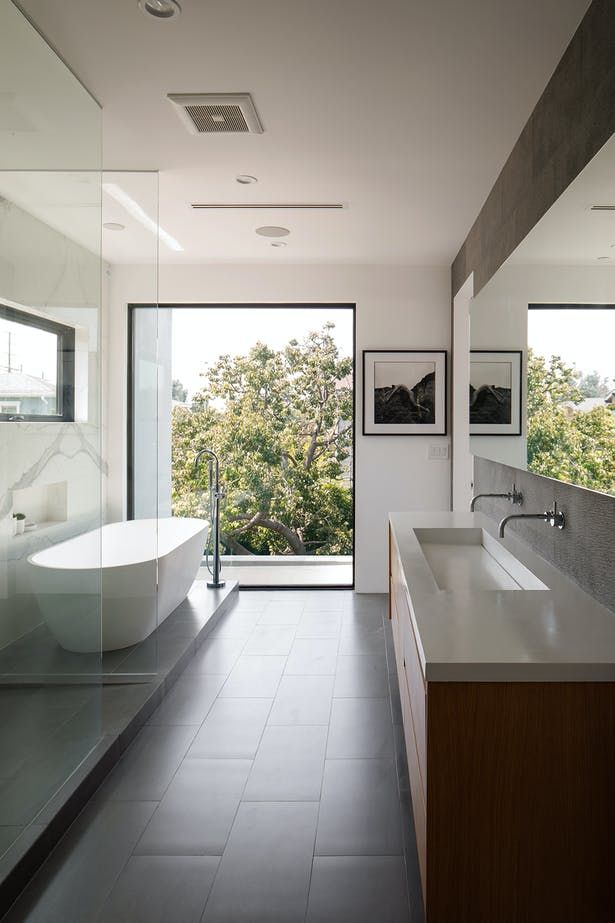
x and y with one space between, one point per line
592 384
550 382
563 442
179 392
280 422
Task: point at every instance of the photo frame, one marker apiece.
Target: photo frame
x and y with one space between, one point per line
404 392
495 392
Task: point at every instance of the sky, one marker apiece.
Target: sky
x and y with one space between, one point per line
389 374
32 351
201 335
498 374
584 338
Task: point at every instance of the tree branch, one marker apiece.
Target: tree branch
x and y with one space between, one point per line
260 521
309 458
229 542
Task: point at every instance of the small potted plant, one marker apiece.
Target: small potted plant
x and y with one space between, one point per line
19 523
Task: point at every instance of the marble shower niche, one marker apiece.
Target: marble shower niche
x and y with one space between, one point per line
43 505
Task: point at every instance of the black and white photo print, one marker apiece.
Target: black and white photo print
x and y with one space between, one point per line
404 392
495 392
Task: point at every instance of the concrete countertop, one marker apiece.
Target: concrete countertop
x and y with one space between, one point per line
555 635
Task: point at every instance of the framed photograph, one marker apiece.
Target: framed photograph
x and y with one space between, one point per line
404 392
495 392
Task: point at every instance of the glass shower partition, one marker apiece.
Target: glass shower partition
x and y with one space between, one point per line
50 487
130 199
62 693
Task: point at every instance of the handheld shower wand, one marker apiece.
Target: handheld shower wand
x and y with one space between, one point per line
217 495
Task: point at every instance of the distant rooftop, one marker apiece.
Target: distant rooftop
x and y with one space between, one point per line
18 384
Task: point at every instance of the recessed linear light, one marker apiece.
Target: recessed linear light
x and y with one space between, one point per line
269 230
301 206
114 226
278 243
160 9
133 208
245 179
603 258
602 208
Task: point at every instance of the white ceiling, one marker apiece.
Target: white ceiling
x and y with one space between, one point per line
570 233
404 110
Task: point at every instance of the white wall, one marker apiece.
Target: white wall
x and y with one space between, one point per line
462 468
397 307
498 320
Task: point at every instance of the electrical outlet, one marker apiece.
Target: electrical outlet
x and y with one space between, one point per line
439 452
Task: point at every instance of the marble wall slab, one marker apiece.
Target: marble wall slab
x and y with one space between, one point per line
45 272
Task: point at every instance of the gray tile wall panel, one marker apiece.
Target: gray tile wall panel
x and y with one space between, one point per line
584 550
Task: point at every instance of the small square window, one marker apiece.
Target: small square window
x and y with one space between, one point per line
37 368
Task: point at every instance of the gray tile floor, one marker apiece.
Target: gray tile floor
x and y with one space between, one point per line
269 787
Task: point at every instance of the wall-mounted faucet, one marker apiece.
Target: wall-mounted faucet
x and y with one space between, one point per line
513 496
554 518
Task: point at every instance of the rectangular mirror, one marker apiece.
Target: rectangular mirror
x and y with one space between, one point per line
542 363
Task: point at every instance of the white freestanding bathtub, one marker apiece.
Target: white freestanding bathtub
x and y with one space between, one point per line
122 561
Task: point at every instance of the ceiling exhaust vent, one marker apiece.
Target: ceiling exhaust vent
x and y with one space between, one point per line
213 113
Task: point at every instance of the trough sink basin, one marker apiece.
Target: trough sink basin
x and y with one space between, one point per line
469 559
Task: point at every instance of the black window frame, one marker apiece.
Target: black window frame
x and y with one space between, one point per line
65 382
133 308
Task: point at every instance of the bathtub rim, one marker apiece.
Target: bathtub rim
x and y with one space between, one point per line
200 525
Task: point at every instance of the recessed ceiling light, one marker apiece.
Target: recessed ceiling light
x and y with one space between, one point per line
271 231
278 243
245 179
114 226
160 9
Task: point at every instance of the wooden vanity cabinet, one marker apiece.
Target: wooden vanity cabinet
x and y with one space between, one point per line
513 790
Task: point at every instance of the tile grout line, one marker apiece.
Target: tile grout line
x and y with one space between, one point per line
397 778
322 779
198 728
240 802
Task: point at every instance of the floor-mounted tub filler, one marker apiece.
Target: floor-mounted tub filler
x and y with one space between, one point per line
144 568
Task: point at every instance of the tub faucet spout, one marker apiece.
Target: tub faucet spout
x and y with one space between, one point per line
216 495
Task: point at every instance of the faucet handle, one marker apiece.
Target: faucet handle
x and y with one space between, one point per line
555 517
516 497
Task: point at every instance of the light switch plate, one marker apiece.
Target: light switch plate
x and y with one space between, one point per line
439 452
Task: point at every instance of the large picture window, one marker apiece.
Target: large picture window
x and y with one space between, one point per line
571 394
37 367
270 390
